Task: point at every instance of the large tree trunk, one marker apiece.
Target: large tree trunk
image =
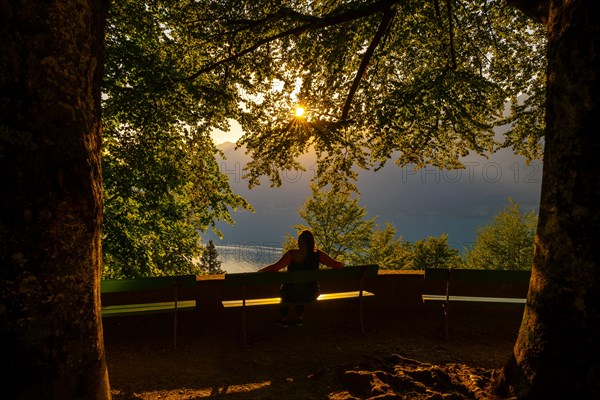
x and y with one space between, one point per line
51 57
557 353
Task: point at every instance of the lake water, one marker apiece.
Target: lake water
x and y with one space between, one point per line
251 257
247 258
248 248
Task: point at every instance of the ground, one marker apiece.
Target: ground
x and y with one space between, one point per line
403 354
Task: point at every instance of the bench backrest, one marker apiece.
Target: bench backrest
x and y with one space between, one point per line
266 278
477 275
144 284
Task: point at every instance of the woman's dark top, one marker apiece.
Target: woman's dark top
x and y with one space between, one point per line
301 292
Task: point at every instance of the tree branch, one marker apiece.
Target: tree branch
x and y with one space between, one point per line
330 19
241 25
452 62
384 24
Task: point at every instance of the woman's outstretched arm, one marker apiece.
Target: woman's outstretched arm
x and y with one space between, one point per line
283 262
328 261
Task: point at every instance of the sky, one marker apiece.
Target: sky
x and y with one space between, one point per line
423 203
231 136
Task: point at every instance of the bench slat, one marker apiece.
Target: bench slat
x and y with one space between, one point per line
277 300
355 273
343 295
146 308
441 297
469 276
170 285
266 278
141 284
251 302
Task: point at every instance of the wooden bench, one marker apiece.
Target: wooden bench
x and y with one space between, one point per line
162 295
356 275
471 285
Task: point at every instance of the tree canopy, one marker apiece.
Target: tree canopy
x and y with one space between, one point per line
435 252
342 230
387 251
162 185
426 81
506 242
210 262
423 81
338 222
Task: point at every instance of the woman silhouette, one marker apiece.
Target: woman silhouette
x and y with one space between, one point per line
306 257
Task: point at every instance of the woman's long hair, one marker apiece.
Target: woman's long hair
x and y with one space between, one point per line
306 241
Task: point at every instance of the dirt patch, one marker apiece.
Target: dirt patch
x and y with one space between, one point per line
397 377
402 355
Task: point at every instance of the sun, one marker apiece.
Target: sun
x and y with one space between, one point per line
299 111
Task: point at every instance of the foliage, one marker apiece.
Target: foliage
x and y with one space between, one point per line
377 78
290 242
506 243
162 185
338 222
138 241
386 251
210 262
341 229
435 252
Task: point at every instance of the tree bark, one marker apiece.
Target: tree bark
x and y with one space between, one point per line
557 353
51 58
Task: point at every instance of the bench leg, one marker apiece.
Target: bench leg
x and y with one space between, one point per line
349 320
176 297
175 329
360 302
244 311
244 325
351 304
360 313
445 320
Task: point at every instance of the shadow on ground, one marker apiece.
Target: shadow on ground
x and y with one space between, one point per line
402 355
